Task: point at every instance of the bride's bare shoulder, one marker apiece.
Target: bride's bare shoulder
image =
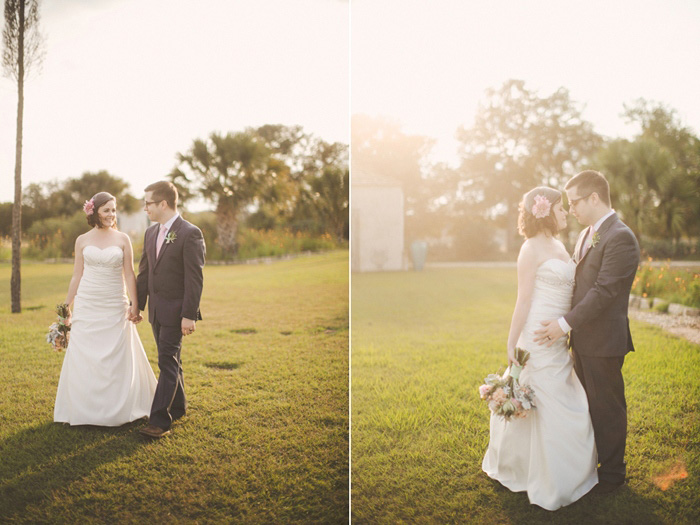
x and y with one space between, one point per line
529 253
83 238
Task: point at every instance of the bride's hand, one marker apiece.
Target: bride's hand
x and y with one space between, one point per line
68 319
134 314
511 357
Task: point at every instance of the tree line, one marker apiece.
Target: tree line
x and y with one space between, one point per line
269 178
521 139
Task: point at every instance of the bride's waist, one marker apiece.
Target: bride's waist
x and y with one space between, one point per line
104 284
544 313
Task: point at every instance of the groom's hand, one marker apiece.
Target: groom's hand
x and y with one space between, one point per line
187 326
550 333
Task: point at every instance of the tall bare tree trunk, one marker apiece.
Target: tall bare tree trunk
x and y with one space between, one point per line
226 228
15 281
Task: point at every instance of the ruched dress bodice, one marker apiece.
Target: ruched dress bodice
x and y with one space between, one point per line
102 279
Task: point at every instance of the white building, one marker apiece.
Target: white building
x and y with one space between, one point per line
133 224
377 229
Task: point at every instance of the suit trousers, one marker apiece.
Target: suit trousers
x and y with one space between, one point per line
605 388
169 402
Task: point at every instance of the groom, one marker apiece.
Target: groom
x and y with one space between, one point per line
606 256
170 277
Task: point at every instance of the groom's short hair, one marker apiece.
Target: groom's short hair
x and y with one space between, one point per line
590 181
164 190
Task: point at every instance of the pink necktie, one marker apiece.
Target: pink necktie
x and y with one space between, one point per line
587 242
161 238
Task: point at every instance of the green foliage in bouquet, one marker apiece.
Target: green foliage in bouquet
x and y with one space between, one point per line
59 335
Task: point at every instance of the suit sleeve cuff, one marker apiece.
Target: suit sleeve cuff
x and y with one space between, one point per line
564 325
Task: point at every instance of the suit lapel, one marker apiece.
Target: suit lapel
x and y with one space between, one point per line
150 243
607 223
173 229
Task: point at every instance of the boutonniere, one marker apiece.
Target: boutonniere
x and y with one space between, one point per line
170 237
595 239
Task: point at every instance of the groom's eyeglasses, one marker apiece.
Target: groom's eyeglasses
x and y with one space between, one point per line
574 202
148 203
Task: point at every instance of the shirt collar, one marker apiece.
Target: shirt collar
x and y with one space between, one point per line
600 222
169 224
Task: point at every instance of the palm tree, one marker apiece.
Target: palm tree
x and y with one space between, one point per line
232 171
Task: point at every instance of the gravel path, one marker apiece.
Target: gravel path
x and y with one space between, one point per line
685 326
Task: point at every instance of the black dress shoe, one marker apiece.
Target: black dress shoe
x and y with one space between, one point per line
606 487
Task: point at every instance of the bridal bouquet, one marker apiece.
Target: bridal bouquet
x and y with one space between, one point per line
505 395
59 333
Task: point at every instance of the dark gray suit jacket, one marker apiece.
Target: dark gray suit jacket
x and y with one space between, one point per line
604 277
173 282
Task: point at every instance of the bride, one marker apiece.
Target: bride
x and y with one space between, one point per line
550 453
106 378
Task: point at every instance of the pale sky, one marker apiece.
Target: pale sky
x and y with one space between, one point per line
427 64
127 84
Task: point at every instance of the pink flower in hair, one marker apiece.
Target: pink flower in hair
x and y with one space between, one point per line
89 207
541 207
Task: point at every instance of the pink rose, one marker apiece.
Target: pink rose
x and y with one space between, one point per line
541 207
89 207
499 396
484 391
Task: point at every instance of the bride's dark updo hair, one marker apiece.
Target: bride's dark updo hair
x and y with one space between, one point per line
98 200
536 211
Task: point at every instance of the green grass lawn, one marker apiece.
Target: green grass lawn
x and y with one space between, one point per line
422 343
266 436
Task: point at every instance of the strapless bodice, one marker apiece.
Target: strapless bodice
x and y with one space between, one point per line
102 273
110 257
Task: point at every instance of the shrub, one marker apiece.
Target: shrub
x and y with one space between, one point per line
675 285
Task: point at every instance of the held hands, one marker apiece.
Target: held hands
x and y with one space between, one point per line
550 333
134 314
187 326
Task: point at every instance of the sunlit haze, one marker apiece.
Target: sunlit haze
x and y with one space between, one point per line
127 84
427 64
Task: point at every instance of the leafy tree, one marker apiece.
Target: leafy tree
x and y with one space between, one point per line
634 170
233 171
314 167
654 178
22 50
380 148
521 140
54 199
679 187
330 195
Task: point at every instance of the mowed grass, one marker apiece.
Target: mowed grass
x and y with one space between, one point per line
266 435
422 343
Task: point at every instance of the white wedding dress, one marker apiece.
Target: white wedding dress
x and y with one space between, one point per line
551 453
106 378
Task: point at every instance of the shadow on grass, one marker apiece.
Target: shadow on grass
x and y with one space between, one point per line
624 506
41 460
223 365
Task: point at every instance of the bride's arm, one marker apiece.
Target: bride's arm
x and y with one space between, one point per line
527 267
75 279
130 277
